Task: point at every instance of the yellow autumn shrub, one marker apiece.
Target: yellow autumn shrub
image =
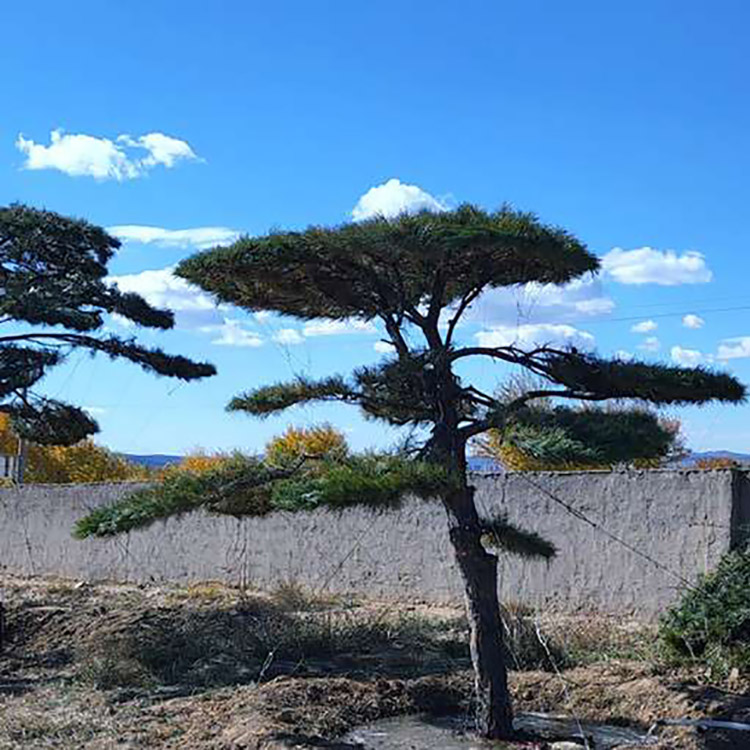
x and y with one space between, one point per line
319 441
58 464
199 461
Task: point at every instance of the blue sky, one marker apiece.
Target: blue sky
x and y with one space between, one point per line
626 123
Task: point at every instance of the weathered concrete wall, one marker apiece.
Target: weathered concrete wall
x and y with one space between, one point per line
683 519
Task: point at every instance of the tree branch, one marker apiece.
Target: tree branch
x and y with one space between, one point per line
466 300
397 337
506 354
570 394
479 397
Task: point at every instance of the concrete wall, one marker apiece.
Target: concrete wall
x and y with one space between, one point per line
685 520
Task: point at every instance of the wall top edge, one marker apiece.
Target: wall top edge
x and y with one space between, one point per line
600 472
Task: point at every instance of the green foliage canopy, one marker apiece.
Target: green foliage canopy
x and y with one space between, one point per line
711 621
245 486
388 267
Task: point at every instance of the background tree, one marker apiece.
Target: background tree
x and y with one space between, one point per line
53 300
417 275
295 444
66 464
198 461
299 443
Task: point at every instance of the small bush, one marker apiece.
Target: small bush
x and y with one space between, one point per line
291 596
711 623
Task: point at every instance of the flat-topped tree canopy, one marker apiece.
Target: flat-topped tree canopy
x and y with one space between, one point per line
587 373
406 270
388 266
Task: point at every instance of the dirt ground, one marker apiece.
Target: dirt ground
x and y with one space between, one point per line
117 666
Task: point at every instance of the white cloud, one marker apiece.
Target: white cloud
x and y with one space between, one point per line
81 155
193 308
646 265
693 321
231 333
288 336
337 327
528 335
734 348
645 326
594 306
393 198
651 344
162 149
686 357
198 237
582 298
383 347
623 355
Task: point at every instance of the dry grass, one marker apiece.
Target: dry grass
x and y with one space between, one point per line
211 666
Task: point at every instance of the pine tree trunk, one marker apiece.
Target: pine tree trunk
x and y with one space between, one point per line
447 447
479 571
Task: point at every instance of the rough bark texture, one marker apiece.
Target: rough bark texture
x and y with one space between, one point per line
477 566
479 572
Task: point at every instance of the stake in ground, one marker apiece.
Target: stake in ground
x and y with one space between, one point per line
418 275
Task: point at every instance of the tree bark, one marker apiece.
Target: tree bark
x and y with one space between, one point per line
447 447
494 713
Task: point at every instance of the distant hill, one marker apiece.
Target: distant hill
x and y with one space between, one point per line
693 458
476 463
153 461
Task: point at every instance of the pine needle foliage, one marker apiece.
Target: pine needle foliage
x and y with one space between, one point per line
652 383
563 436
502 534
245 486
362 269
544 436
272 399
53 281
710 624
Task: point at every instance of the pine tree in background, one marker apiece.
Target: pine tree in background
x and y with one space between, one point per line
623 435
417 275
54 297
